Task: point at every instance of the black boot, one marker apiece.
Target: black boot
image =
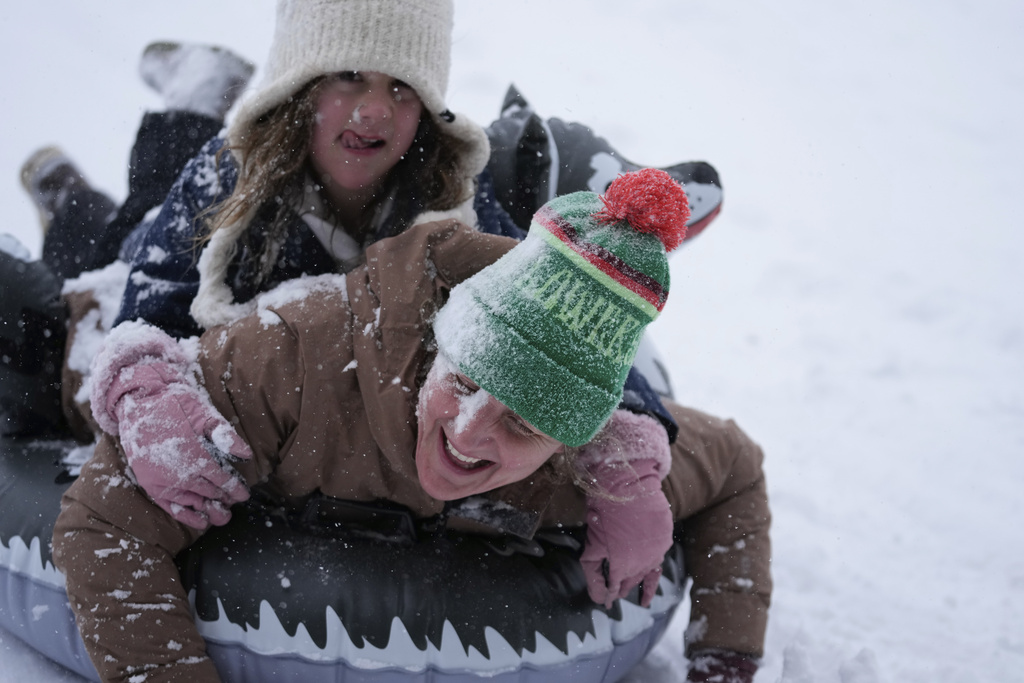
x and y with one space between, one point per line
74 216
203 79
533 160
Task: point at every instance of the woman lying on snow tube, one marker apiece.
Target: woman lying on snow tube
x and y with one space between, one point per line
531 354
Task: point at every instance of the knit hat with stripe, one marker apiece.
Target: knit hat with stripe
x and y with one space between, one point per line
551 329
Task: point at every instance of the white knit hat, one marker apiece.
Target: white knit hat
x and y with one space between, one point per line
406 39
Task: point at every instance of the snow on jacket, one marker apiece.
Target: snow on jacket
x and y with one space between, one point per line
329 406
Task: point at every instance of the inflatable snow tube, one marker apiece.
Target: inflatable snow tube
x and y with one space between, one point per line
33 604
378 598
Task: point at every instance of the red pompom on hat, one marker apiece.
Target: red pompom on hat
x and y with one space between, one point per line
650 201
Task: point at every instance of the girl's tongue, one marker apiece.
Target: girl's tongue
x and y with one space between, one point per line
353 141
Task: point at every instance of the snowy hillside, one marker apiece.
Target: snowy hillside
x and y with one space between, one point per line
854 308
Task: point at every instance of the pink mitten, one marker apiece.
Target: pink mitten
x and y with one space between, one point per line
629 520
177 445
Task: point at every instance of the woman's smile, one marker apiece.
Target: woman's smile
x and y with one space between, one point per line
460 460
468 442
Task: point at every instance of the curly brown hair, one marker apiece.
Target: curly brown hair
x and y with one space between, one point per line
273 156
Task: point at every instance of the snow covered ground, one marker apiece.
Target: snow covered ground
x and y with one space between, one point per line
853 307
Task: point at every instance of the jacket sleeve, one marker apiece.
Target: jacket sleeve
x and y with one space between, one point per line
116 550
719 499
164 278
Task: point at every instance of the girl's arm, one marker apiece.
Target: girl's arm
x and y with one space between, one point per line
164 277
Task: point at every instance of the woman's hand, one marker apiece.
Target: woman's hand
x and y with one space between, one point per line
629 520
177 445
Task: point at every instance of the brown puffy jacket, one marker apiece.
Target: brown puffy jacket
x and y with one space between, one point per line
330 407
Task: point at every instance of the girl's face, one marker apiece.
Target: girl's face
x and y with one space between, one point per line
365 123
468 441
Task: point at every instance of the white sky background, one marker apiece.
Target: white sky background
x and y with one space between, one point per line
856 307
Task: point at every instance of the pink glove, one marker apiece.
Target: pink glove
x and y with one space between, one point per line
721 666
629 520
177 445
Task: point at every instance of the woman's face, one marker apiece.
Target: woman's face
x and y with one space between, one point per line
365 123
469 442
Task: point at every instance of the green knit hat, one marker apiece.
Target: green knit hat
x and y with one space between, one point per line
551 328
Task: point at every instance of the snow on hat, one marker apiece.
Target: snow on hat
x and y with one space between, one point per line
551 328
406 39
